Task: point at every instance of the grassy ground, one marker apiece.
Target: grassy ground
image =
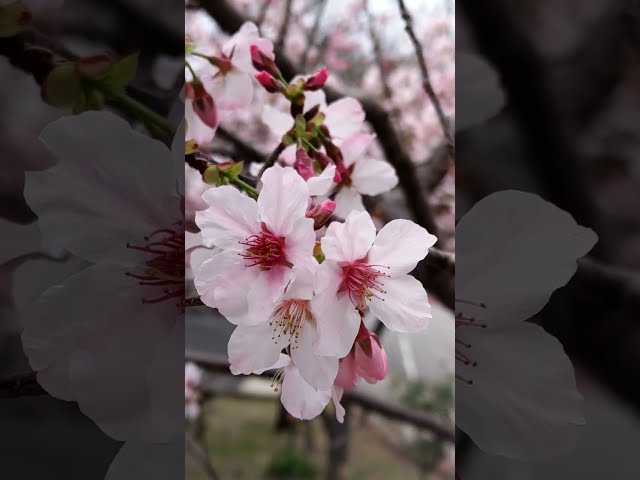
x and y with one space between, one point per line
242 444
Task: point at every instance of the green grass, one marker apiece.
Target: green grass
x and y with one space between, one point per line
243 445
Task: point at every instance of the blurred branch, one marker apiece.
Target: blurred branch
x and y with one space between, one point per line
262 14
377 53
219 363
313 34
338 451
201 457
244 150
230 20
284 28
426 80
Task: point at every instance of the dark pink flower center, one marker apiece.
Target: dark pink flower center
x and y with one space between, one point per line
362 282
264 250
164 270
463 349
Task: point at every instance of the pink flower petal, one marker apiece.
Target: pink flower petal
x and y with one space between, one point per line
252 348
405 307
283 199
351 240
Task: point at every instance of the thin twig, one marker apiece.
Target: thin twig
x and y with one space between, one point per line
201 457
284 28
426 79
272 158
313 34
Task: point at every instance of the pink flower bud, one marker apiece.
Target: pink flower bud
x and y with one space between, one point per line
203 104
304 164
317 80
263 62
347 376
369 356
321 213
269 83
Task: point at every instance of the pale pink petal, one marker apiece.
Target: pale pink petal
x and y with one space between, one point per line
321 184
216 284
300 242
400 245
283 361
265 291
347 375
253 348
354 147
336 396
283 199
231 217
338 322
240 44
314 98
302 283
351 240
289 155
317 371
344 117
404 306
373 177
278 122
231 91
299 398
348 200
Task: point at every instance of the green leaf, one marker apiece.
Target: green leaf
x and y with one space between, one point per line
63 87
13 19
122 72
234 170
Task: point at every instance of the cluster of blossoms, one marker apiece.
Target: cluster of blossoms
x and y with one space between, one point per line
295 279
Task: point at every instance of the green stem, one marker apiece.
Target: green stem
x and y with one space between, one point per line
193 73
142 112
252 192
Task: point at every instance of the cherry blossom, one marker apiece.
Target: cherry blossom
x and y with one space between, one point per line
126 247
261 242
367 176
231 85
362 269
516 250
291 326
343 118
192 379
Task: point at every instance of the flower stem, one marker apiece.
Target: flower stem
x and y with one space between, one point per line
252 192
142 112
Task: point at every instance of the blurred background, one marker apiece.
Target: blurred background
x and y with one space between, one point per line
237 423
567 130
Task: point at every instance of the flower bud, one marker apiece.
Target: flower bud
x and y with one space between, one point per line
269 83
203 104
317 80
263 62
321 213
369 356
303 164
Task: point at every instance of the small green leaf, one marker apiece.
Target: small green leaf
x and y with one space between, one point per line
63 86
211 176
234 170
122 72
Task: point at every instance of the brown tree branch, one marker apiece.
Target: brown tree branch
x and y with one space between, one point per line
426 79
313 34
201 457
284 28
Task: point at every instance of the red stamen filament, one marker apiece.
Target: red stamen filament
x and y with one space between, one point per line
264 250
462 354
361 281
166 267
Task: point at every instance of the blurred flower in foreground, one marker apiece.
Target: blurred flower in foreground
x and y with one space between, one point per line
516 393
104 328
192 379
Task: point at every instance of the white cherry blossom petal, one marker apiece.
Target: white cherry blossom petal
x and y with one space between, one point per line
400 245
404 306
321 184
348 200
317 371
231 217
252 348
283 199
299 398
344 117
351 240
373 177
